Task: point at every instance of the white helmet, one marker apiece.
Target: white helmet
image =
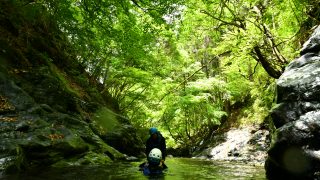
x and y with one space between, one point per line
155 155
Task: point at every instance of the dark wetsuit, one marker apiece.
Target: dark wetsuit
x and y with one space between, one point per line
159 143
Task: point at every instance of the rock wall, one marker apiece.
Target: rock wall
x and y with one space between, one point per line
48 103
248 144
295 151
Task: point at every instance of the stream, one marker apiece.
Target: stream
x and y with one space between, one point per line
179 168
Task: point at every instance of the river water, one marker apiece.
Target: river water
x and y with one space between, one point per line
179 168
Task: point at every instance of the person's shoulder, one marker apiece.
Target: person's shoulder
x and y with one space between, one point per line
149 139
161 136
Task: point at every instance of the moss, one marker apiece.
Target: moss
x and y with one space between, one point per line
65 83
95 158
111 152
106 119
71 143
90 158
14 163
96 144
95 95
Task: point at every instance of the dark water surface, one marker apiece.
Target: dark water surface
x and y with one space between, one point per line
179 168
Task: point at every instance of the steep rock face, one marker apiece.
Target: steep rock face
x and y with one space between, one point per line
48 103
295 152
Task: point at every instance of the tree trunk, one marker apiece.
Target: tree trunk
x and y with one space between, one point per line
270 69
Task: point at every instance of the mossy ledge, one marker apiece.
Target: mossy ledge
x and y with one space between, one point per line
48 102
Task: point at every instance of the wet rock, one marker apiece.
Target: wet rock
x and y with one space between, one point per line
312 45
46 108
22 126
45 99
36 135
19 100
179 152
169 156
89 158
235 152
131 158
123 137
294 151
245 145
116 131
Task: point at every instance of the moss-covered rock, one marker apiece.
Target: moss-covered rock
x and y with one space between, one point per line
49 105
117 132
90 158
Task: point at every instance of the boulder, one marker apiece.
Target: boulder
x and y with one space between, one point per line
124 136
295 149
31 135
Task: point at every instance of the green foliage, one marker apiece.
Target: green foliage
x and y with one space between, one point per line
182 65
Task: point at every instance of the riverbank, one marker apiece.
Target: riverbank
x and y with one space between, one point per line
246 144
52 111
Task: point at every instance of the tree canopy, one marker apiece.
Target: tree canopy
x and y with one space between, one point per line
186 66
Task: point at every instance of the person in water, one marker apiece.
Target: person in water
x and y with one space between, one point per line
156 153
156 140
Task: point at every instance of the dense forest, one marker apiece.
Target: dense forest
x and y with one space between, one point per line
188 67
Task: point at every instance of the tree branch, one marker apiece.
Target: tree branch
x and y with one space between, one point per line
223 21
225 5
136 97
273 72
273 44
137 4
185 80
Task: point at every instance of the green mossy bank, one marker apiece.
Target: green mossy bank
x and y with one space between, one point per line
51 112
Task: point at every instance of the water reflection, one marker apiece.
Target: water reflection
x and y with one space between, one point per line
179 168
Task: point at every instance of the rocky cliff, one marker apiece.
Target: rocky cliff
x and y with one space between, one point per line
295 151
51 111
